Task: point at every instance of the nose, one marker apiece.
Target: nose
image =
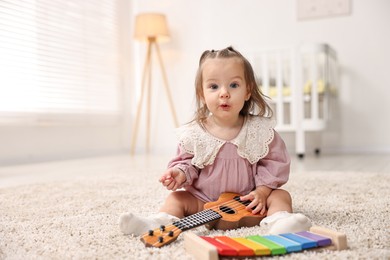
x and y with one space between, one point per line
224 93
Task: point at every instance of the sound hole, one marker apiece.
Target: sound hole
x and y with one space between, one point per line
226 210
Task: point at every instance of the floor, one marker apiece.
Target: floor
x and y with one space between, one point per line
344 162
64 170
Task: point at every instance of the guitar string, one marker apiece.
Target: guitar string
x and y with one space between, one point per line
238 205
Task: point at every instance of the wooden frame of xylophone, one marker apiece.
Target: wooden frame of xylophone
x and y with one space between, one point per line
209 248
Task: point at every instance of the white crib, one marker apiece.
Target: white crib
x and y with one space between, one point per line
286 75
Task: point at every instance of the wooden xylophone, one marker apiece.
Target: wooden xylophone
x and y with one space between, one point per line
210 248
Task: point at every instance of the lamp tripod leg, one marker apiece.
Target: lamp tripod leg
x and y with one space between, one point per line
148 102
146 70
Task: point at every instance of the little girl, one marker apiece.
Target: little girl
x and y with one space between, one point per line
230 146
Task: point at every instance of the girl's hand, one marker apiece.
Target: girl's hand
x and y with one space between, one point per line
173 178
258 200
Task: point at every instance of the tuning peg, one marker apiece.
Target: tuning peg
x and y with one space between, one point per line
150 232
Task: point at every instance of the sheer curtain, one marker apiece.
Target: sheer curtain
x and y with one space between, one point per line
59 61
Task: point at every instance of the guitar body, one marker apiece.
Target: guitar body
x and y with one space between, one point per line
228 212
233 216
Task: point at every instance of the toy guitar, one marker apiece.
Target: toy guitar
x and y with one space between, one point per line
228 212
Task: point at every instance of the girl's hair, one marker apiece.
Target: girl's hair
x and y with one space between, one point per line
256 105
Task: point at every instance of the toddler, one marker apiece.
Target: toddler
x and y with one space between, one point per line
229 146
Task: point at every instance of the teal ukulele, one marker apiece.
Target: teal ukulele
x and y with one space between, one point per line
228 212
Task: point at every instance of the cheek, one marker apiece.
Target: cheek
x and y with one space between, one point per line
207 101
208 97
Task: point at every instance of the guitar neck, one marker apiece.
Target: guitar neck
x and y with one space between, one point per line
197 219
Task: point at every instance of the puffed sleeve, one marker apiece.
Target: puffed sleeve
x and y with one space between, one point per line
273 170
182 161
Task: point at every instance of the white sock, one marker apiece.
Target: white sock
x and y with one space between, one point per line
285 222
132 224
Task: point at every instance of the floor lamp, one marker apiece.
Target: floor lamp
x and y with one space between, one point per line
150 27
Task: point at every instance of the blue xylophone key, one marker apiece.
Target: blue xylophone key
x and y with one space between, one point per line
290 245
305 242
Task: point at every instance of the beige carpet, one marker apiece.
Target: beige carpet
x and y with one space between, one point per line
78 219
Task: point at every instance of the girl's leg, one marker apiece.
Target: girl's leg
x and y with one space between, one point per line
279 200
280 218
181 204
177 205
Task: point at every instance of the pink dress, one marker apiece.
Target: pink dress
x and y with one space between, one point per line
257 156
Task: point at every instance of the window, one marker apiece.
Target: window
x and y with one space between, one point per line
59 60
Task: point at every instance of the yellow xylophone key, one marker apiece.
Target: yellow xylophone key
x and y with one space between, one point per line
257 248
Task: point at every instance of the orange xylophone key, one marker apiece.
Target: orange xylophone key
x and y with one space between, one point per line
258 248
240 248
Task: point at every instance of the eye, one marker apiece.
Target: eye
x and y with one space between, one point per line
234 85
213 86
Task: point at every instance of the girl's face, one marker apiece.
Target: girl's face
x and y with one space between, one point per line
224 88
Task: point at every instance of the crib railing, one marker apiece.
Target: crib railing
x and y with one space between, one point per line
299 81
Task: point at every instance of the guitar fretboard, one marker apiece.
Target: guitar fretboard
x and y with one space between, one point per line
197 219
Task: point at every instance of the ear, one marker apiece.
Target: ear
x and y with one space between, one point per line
248 93
248 96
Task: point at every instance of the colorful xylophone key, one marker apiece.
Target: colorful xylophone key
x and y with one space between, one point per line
289 245
275 248
304 242
213 247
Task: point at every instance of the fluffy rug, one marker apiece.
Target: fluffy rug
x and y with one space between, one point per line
77 219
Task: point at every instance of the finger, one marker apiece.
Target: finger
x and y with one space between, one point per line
246 197
263 211
167 183
165 177
251 205
257 209
171 185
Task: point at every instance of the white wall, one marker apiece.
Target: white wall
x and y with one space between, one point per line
361 39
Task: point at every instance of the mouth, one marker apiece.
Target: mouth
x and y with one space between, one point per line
224 106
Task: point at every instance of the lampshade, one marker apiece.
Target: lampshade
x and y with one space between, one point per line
151 25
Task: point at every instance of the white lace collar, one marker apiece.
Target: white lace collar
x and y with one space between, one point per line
252 141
